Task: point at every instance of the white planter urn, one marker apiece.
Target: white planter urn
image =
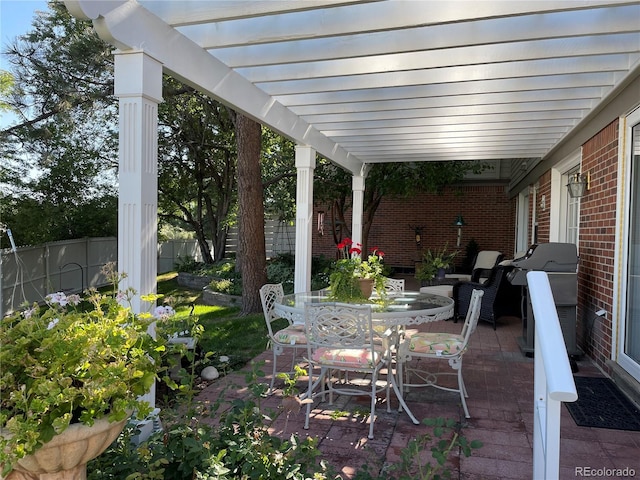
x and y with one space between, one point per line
65 457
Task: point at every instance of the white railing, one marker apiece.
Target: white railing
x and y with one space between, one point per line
553 380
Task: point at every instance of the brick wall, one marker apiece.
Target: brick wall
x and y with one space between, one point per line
597 243
490 218
487 211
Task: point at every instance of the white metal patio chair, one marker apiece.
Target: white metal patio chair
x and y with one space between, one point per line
392 285
292 337
340 339
439 346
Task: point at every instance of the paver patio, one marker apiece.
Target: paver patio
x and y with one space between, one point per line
499 379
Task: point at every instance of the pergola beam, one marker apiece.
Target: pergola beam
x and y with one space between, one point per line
130 26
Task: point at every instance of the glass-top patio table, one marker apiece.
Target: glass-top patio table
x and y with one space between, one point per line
397 311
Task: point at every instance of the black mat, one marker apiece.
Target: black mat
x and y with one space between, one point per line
601 404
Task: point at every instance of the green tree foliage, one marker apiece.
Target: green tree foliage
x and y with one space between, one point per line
60 154
332 187
279 176
197 165
6 87
198 168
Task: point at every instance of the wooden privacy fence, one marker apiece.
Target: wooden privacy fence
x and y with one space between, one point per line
30 273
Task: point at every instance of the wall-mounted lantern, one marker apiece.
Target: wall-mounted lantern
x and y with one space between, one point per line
417 232
459 223
579 184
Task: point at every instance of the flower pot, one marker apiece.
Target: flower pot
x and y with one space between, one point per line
366 286
441 274
66 455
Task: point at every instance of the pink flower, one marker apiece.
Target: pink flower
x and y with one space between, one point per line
163 312
74 299
53 323
57 298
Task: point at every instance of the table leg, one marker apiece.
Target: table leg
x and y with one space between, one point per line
394 385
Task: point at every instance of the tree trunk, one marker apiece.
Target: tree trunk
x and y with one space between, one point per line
205 251
251 249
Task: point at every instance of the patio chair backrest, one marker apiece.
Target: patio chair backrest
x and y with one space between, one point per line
473 314
394 284
487 259
338 325
269 295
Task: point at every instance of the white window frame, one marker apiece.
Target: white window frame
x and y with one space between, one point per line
522 227
558 224
618 314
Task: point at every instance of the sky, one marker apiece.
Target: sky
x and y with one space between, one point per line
15 19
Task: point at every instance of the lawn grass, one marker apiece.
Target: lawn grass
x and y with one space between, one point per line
226 332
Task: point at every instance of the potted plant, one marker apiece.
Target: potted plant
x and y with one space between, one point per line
434 264
72 362
351 271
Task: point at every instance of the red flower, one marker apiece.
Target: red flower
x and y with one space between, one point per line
355 250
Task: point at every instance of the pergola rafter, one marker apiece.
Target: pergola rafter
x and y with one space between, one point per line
361 82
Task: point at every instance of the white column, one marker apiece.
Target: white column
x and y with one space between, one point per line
138 85
358 209
305 164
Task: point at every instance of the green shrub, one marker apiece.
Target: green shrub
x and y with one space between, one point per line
187 264
280 269
239 447
320 270
444 440
227 286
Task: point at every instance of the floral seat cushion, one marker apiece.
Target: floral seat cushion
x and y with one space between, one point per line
346 357
436 343
292 335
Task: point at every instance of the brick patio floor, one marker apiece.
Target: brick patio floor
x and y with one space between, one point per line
499 380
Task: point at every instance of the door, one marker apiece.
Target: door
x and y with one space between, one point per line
630 323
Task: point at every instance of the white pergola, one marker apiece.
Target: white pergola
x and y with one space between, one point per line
361 82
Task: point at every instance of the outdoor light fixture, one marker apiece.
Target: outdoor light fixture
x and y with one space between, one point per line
579 184
417 231
459 223
418 234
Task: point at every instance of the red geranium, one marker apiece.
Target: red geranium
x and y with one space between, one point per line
348 249
351 267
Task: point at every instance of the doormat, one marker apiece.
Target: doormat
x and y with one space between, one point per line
601 404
